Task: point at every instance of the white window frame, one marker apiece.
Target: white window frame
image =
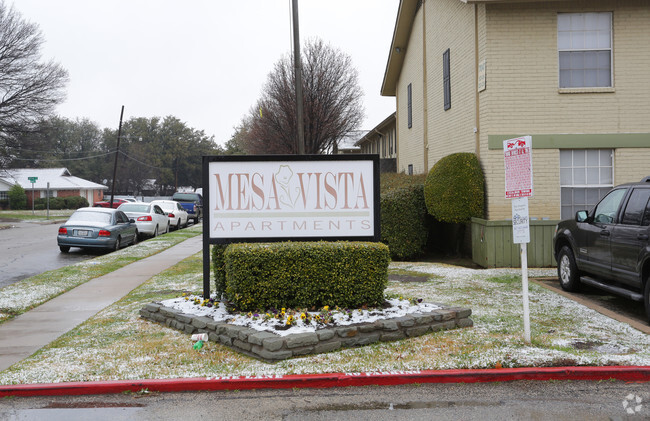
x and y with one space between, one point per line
566 35
569 182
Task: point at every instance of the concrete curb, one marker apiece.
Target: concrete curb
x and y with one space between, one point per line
621 373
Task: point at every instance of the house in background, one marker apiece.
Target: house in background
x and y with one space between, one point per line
348 143
382 140
469 74
62 184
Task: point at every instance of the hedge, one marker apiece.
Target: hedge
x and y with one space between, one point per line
405 223
455 189
306 274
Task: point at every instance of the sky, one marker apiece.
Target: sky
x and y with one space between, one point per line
203 61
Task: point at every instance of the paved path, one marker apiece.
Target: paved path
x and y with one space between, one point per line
29 332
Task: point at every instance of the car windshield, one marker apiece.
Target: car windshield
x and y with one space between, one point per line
88 216
134 207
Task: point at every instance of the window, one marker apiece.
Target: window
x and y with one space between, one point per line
446 79
585 177
4 195
637 210
410 169
584 43
409 104
605 212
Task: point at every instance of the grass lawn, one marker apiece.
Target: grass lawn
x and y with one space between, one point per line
118 344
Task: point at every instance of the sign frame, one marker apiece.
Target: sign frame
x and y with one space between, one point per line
265 159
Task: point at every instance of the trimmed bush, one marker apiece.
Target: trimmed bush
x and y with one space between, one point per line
404 221
454 190
219 268
395 181
75 202
306 274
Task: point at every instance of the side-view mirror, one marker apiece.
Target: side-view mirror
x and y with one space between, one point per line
132 221
581 216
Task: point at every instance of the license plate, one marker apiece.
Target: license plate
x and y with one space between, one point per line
83 233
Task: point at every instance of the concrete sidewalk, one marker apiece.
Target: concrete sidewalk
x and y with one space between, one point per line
29 332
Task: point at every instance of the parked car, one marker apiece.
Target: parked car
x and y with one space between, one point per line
150 218
192 203
127 198
97 228
107 203
175 212
608 247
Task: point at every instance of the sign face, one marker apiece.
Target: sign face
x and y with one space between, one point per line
291 197
32 179
518 160
520 221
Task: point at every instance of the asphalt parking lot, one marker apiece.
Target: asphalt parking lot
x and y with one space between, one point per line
621 309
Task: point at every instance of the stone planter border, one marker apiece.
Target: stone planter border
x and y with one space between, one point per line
270 347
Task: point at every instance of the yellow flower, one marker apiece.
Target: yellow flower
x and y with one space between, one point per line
326 308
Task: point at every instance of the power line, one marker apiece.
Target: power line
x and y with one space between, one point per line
62 159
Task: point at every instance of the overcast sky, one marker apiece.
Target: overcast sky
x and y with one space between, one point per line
203 61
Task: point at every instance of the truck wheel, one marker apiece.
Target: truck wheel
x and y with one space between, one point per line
567 270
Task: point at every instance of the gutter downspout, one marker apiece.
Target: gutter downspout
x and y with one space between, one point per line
477 122
425 98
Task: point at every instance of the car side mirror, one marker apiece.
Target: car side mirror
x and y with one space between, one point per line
581 216
132 221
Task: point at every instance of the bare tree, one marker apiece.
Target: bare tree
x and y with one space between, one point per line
29 88
332 103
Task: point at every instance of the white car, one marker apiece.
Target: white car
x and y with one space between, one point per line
177 215
150 218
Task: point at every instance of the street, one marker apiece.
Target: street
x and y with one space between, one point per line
558 400
30 248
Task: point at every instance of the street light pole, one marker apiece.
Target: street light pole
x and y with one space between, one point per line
117 153
298 72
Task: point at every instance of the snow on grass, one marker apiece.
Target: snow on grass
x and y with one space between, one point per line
21 296
118 344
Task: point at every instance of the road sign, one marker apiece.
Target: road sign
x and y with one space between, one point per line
32 179
518 160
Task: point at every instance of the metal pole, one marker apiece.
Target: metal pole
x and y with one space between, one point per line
48 200
298 72
524 286
32 198
117 153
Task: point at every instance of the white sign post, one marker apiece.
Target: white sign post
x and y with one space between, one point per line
519 187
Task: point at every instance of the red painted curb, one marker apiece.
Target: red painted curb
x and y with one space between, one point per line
623 373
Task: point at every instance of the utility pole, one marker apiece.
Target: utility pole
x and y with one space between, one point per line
117 154
298 72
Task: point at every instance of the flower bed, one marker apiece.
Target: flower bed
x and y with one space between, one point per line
280 334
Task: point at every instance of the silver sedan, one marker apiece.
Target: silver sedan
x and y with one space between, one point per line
150 218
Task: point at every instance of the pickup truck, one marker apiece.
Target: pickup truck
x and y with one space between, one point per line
608 247
192 203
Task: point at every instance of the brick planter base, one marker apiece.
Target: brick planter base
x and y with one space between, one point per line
270 347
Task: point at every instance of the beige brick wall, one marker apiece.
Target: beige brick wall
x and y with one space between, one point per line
410 145
524 36
450 25
631 164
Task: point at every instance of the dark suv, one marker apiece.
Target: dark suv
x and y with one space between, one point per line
608 246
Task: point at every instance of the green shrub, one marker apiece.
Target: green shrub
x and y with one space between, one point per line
75 202
39 206
396 181
404 221
219 268
57 203
454 190
17 197
306 274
